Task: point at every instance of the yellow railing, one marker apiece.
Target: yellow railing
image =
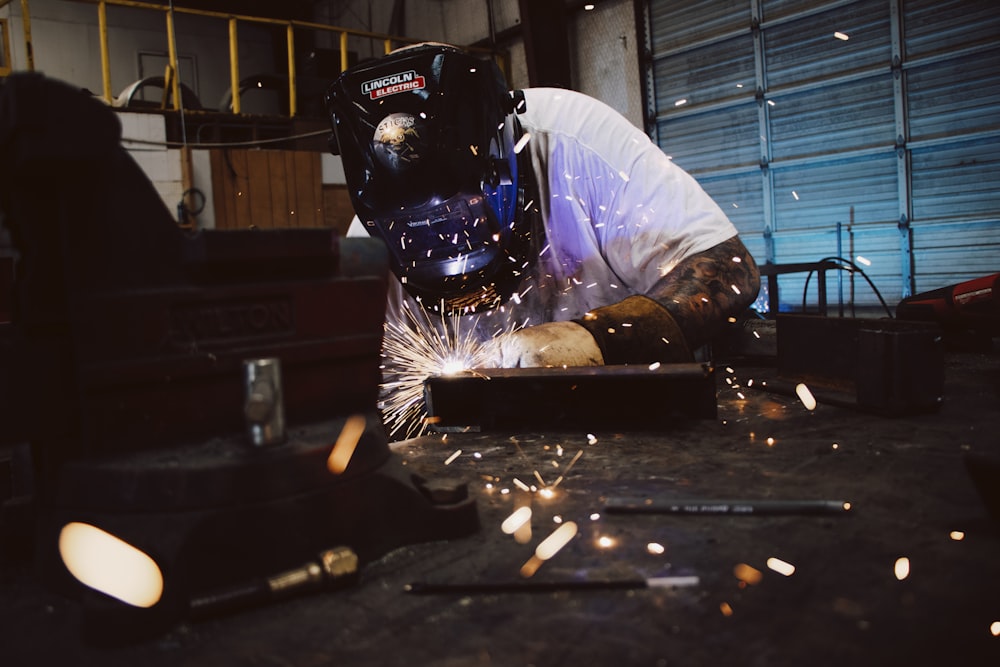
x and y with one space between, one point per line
233 21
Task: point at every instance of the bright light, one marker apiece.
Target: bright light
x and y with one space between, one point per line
902 568
863 260
588 8
680 102
747 574
452 367
957 535
517 519
559 538
780 566
841 36
110 565
995 628
605 542
656 548
805 396
347 441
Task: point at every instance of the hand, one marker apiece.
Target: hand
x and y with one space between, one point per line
549 344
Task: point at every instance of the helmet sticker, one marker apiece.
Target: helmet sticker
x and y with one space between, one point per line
400 82
396 140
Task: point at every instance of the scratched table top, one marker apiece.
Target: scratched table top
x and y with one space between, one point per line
910 574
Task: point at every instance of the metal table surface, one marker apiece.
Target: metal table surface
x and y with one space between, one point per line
845 603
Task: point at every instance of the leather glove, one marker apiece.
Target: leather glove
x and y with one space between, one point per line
549 344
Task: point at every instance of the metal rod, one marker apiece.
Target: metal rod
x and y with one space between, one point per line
102 22
234 65
292 102
724 507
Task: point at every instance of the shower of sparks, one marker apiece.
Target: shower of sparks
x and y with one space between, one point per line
417 347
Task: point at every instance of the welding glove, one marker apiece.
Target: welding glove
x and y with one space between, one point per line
550 344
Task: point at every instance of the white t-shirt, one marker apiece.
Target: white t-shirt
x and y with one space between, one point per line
618 214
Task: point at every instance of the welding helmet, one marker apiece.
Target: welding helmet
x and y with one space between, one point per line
427 138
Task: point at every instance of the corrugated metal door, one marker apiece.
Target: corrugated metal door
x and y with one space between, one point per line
864 129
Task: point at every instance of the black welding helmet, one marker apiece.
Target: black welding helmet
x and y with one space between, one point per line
427 137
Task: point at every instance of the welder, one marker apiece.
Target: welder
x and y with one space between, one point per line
544 216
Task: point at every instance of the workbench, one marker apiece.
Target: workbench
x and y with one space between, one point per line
851 600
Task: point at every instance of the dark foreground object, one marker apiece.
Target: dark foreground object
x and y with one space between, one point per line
911 497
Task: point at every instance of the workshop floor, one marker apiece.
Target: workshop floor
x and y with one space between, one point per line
848 601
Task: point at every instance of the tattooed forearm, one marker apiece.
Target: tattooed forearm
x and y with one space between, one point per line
707 288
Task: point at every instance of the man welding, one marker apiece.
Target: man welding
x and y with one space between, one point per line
543 215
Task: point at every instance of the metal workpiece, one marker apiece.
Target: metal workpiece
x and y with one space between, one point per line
579 398
264 403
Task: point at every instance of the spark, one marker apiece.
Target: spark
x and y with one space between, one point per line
455 455
863 260
517 519
559 538
748 574
605 542
957 535
808 400
595 516
521 485
902 568
655 548
419 345
522 142
726 609
780 566
841 36
347 441
995 628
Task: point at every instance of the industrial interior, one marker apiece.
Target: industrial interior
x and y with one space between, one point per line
203 460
